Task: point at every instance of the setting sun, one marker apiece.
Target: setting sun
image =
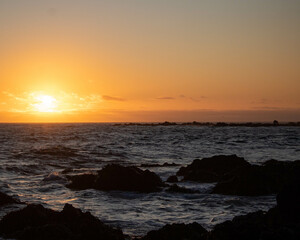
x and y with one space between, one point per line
45 103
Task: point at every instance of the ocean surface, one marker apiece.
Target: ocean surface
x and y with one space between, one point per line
33 157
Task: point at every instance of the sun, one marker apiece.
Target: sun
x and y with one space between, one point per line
44 103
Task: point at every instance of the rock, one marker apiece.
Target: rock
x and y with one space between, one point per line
54 177
172 179
288 200
254 180
5 199
247 227
192 231
280 222
37 222
175 188
82 181
116 177
211 169
159 165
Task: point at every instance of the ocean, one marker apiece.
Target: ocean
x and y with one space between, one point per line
35 159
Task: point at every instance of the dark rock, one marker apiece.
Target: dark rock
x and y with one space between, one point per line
116 177
159 165
288 200
67 170
254 180
37 222
177 189
247 227
172 179
211 169
280 222
82 181
5 199
192 231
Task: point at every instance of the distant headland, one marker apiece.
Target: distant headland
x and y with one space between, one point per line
215 124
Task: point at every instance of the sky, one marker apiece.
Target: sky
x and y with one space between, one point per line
149 61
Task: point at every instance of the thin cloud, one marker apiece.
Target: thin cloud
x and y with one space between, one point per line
66 102
165 98
192 99
111 98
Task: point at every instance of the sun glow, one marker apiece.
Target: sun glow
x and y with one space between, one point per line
45 103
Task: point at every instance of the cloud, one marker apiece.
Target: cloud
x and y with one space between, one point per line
268 108
260 101
66 102
165 98
110 98
192 99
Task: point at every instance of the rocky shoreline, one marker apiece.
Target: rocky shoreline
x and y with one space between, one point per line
233 176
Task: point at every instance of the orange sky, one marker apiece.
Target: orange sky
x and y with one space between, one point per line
95 61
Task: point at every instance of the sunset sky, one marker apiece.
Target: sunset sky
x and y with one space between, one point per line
126 60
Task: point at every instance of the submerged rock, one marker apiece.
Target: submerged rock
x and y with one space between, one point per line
211 169
37 222
117 177
192 231
5 199
176 189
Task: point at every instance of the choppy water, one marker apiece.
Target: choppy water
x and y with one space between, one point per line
33 156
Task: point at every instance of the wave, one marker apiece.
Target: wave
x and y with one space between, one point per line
58 151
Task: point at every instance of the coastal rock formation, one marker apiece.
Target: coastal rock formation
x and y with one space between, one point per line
235 176
254 180
117 177
280 222
36 222
181 231
159 165
5 199
172 179
211 169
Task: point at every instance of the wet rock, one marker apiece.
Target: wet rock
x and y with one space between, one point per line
254 180
192 231
54 177
159 165
211 169
5 199
117 177
176 189
82 181
172 179
280 222
37 222
247 227
67 170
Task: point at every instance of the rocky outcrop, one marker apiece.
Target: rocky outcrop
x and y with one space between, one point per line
117 177
254 180
235 176
36 222
211 169
172 179
5 199
166 164
280 222
182 231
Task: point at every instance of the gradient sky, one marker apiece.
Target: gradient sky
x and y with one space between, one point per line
152 60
